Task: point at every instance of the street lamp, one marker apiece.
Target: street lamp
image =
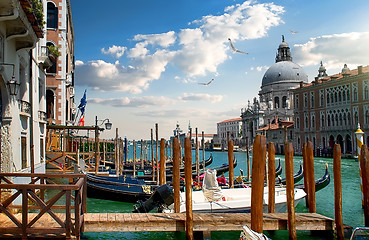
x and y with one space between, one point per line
12 84
107 122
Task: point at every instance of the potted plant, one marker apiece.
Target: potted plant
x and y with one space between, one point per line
53 52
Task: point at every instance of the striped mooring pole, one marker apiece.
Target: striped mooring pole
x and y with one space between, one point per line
359 143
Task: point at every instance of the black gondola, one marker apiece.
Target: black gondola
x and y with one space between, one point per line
296 177
321 182
124 189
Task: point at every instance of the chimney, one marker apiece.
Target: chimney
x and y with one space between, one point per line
359 70
301 84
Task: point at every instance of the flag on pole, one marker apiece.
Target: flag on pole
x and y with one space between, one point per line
82 107
82 121
82 104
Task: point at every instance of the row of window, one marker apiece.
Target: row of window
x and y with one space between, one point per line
334 96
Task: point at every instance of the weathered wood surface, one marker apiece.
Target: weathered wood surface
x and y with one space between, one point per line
117 222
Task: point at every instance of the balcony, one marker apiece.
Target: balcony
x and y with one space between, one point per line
21 23
44 58
24 108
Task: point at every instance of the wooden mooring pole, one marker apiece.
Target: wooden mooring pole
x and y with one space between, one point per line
134 158
306 182
290 191
162 162
156 152
230 163
188 182
364 166
257 183
338 191
310 176
176 180
271 178
152 156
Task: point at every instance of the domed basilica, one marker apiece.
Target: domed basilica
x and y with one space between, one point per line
275 103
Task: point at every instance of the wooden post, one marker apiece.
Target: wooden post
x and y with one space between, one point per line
197 155
364 155
248 160
257 183
156 152
203 150
176 176
230 163
337 191
162 162
271 178
104 151
290 191
306 182
32 158
188 179
116 153
142 154
311 176
134 158
152 156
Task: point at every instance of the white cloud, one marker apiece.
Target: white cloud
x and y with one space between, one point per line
115 51
201 97
334 50
134 102
195 51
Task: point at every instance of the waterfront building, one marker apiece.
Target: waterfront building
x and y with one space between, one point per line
23 61
278 131
275 95
61 107
228 130
178 133
329 109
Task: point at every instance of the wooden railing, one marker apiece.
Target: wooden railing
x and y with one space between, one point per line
34 204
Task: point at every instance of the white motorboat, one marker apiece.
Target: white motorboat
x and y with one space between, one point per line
214 199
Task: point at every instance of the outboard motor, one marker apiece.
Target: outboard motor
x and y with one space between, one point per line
163 195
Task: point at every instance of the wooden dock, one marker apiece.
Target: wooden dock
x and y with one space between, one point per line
206 222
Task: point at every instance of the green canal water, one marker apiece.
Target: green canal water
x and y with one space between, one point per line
351 201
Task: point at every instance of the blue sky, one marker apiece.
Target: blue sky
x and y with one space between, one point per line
141 61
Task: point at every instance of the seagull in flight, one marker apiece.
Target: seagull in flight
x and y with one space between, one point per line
293 32
235 49
208 83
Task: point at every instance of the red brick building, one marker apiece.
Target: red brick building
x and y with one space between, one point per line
329 109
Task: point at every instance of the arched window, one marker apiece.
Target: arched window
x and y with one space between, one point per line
340 119
344 119
313 122
52 15
366 93
329 120
51 69
344 96
327 98
331 97
322 122
355 95
306 122
356 118
349 118
297 123
284 101
336 119
322 100
339 97
276 102
367 117
335 97
348 95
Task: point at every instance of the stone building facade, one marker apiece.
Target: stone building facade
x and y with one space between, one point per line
60 77
328 110
275 96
